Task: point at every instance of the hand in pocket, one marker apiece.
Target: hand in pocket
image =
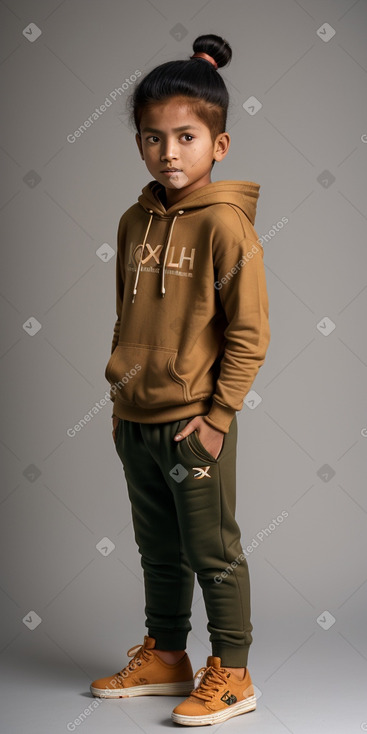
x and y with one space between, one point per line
210 438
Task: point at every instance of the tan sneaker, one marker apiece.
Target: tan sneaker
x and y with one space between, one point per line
218 696
146 675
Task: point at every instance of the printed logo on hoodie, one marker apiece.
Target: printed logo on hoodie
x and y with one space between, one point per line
177 258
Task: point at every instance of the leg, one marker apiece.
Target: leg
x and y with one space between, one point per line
205 503
168 579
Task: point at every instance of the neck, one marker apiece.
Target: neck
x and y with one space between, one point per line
173 196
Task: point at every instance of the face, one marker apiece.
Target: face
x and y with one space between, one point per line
177 147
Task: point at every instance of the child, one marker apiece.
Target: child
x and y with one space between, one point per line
191 333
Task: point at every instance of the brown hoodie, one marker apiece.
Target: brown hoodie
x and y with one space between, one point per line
192 325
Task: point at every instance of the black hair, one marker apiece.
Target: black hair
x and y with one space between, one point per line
195 79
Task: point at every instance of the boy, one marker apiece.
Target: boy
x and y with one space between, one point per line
191 333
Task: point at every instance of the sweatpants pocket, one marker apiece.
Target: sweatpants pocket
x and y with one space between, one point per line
199 449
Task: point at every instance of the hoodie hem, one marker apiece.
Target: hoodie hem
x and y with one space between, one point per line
162 415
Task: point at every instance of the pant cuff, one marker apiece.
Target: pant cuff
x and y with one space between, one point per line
169 639
231 657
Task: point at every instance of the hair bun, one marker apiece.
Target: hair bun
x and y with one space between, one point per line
214 46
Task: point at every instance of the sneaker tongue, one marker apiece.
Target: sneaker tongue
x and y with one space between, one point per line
149 642
213 662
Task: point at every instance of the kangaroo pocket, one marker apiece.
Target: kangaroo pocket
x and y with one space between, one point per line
142 375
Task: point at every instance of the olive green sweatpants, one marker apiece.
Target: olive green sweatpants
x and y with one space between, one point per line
183 511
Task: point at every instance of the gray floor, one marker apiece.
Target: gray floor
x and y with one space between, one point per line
316 686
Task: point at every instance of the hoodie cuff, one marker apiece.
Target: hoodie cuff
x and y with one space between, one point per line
219 417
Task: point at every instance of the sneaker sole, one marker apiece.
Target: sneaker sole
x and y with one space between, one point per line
242 707
180 688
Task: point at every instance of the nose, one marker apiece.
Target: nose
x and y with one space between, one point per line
168 151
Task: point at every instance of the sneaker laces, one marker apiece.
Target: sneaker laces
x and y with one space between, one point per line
138 653
207 682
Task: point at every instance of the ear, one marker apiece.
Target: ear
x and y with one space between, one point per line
138 142
221 146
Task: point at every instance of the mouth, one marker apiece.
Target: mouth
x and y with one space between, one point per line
172 170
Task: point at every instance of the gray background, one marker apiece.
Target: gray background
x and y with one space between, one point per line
60 202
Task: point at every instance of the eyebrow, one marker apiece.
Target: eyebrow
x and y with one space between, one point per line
175 129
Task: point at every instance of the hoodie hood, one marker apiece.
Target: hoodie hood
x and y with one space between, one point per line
241 194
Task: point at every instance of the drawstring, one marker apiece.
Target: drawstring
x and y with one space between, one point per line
141 255
163 290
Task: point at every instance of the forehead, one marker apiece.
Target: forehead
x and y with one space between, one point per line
173 112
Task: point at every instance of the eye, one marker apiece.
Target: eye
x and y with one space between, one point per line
152 139
187 135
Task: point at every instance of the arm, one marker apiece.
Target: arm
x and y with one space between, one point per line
119 296
243 296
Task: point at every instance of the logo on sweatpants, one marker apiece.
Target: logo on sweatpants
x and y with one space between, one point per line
202 471
228 698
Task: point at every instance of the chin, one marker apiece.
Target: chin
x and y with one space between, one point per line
178 185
